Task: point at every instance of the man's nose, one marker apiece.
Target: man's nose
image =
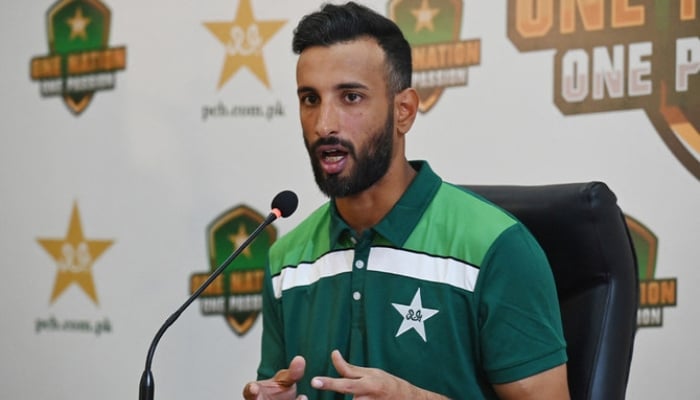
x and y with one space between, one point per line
327 120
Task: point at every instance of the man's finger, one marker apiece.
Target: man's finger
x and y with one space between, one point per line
250 390
290 376
339 385
343 367
348 372
296 368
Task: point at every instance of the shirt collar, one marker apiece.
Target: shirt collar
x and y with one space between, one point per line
398 224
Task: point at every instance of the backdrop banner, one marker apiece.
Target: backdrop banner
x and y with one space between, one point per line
143 141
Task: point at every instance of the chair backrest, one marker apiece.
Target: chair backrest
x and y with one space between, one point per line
583 232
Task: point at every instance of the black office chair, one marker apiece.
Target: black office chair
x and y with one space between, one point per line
584 234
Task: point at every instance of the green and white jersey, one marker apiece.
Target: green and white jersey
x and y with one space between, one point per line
447 292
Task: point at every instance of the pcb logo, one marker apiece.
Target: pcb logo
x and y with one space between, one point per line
440 58
236 294
654 293
79 62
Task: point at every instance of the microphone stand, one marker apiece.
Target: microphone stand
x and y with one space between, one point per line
147 385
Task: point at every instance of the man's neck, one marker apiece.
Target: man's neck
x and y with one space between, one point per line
364 210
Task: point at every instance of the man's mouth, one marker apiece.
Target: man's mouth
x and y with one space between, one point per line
332 156
332 159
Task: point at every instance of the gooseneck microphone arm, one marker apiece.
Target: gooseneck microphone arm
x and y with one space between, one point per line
283 205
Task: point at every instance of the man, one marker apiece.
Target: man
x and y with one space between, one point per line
402 286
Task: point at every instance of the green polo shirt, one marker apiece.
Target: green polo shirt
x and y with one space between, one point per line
448 292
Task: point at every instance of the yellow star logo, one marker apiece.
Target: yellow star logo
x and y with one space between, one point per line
244 38
238 239
74 256
424 16
78 23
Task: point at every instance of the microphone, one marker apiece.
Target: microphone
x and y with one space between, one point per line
283 205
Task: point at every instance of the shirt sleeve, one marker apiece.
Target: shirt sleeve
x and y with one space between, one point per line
519 320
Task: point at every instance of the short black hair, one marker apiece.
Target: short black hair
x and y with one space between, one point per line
343 23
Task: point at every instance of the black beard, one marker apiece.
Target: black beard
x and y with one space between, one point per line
370 166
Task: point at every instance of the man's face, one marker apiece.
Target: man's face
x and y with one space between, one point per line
346 117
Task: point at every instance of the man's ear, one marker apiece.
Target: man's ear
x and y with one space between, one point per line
405 109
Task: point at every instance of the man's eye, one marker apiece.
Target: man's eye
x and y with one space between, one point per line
353 97
309 99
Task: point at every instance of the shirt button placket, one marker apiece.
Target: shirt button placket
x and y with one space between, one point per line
358 279
359 263
359 268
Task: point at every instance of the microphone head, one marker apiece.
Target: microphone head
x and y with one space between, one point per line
286 202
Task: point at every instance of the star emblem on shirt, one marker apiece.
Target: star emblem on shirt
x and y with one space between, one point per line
414 316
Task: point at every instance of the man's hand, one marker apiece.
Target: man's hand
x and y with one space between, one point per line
368 383
282 386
